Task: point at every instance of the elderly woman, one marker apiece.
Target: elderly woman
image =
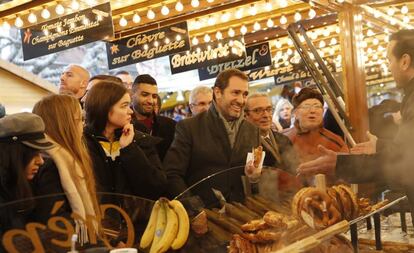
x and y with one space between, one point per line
282 117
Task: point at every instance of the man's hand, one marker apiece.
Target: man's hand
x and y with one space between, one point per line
325 164
366 148
127 135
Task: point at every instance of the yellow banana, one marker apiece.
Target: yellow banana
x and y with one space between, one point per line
160 228
183 225
170 232
148 234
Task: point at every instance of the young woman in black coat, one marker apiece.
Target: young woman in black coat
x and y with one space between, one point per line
124 161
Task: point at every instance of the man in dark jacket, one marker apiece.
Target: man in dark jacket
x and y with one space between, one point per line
144 100
394 161
213 141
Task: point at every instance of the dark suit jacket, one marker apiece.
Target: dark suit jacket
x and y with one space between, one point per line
289 159
164 128
200 148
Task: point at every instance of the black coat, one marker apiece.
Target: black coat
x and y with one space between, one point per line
137 170
200 148
163 128
394 163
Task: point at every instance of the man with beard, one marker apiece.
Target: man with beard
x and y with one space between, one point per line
144 100
393 163
213 141
74 81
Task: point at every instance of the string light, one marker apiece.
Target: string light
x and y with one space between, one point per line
46 32
406 19
146 47
268 6
313 35
164 10
210 1
270 23
219 36
375 41
404 9
197 24
32 18
390 11
18 22
211 20
123 22
207 38
289 51
75 5
322 44
283 20
278 44
252 10
194 41
297 16
326 32
156 43
312 13
225 17
290 42
45 13
370 33
59 9
337 30
231 32
256 26
167 41
136 18
59 29
150 14
178 37
179 6
6 25
239 13
283 3
195 3
243 30
333 41
85 21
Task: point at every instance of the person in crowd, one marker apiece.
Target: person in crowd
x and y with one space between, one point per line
2 111
126 78
213 142
95 79
74 80
125 161
145 91
69 168
393 162
282 117
200 99
158 105
308 131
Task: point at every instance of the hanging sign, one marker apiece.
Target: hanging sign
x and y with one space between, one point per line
148 45
66 32
257 56
208 54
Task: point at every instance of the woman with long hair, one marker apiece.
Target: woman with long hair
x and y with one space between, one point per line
21 140
125 160
70 164
282 117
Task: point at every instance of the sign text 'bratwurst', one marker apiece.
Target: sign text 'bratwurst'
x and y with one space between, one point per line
208 54
257 56
149 45
69 31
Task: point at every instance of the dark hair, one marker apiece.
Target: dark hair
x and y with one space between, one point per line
404 45
159 102
2 111
14 157
145 78
122 72
106 78
222 80
304 94
101 98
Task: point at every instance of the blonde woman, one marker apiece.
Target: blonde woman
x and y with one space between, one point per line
70 164
282 116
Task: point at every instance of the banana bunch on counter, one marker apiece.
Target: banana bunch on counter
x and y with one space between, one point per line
168 227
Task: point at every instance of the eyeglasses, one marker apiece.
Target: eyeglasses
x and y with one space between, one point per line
261 110
308 107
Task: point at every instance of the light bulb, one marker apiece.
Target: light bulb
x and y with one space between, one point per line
332 51
136 18
231 32
312 13
219 36
46 32
337 30
406 19
207 38
195 41
268 6
32 18
178 37
252 10
314 35
59 9
146 47
283 20
195 3
74 5
370 33
156 43
18 22
167 41
123 21
243 30
179 6
72 25
85 21
289 51
150 14
239 13
278 44
197 24
297 16
290 42
225 17
326 32
333 41
375 41
322 44
165 11
256 26
45 13
270 23
404 9
369 50
390 11
59 29
210 1
283 3
211 20
6 25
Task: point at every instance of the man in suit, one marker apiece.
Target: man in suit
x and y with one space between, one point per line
144 100
213 141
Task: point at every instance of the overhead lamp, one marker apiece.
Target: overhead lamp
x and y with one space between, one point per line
243 30
283 20
59 9
195 3
219 36
313 35
231 32
239 13
333 41
32 18
225 16
211 20
252 10
268 6
283 3
45 13
123 22
179 6
278 44
312 13
164 10
194 41
322 44
256 26
390 11
18 22
207 38
75 5
404 9
297 16
270 23
150 14
136 18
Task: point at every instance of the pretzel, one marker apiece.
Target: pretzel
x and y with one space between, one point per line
275 219
254 225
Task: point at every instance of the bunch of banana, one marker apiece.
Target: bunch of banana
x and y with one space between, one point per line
167 227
